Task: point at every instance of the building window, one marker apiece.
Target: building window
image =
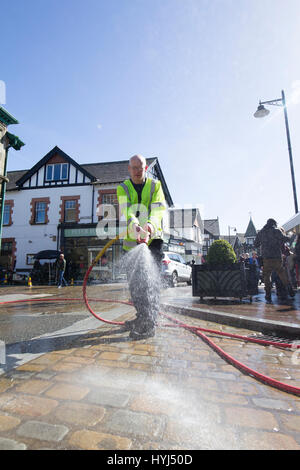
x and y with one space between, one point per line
57 172
40 213
70 211
6 248
108 197
39 210
7 212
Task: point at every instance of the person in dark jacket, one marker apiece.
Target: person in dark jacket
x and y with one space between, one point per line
271 240
61 267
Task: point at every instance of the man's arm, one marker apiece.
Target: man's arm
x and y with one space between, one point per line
158 207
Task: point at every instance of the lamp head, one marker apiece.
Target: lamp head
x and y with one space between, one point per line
261 111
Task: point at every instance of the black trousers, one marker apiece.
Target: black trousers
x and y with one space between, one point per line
144 279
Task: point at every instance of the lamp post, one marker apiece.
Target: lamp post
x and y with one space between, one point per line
262 112
233 228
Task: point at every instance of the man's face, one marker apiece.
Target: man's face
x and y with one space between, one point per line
137 169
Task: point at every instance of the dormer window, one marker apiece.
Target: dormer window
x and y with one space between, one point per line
57 172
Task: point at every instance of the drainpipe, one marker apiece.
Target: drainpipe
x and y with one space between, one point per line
93 200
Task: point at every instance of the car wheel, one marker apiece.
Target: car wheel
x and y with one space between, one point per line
189 282
174 279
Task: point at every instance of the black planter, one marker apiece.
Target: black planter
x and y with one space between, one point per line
236 280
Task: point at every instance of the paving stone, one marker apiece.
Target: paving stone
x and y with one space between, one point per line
32 367
291 423
229 398
91 440
204 435
42 431
33 386
79 414
268 441
67 391
272 404
20 374
10 444
113 356
142 359
8 422
139 424
67 366
5 384
45 375
251 418
29 405
48 359
108 396
154 405
221 375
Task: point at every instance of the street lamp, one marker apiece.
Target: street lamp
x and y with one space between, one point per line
262 112
233 228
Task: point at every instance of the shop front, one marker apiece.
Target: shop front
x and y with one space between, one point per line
81 245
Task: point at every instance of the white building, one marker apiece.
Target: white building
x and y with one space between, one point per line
187 233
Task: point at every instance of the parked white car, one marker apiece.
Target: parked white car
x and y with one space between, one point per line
175 269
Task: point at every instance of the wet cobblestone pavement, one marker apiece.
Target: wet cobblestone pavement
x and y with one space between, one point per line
171 392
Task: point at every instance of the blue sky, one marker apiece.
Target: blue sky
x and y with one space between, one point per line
175 79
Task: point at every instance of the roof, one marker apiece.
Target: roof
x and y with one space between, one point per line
251 230
110 172
14 176
43 161
212 226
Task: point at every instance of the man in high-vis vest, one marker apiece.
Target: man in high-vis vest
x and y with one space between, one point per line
142 205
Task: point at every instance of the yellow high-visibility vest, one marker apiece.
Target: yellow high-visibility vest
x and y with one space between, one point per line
150 209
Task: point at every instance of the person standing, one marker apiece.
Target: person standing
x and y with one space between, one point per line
254 261
142 204
271 240
61 267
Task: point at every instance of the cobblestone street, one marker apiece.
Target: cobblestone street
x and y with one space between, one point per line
104 391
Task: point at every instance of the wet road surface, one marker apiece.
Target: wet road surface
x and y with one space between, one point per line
100 390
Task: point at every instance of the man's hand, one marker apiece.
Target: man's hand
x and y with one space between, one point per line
141 235
149 228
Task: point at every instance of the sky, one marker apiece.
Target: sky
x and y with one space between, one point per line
178 80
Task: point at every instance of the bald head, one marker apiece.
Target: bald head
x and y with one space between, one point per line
137 169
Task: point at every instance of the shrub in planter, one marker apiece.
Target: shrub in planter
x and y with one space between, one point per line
221 275
221 253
